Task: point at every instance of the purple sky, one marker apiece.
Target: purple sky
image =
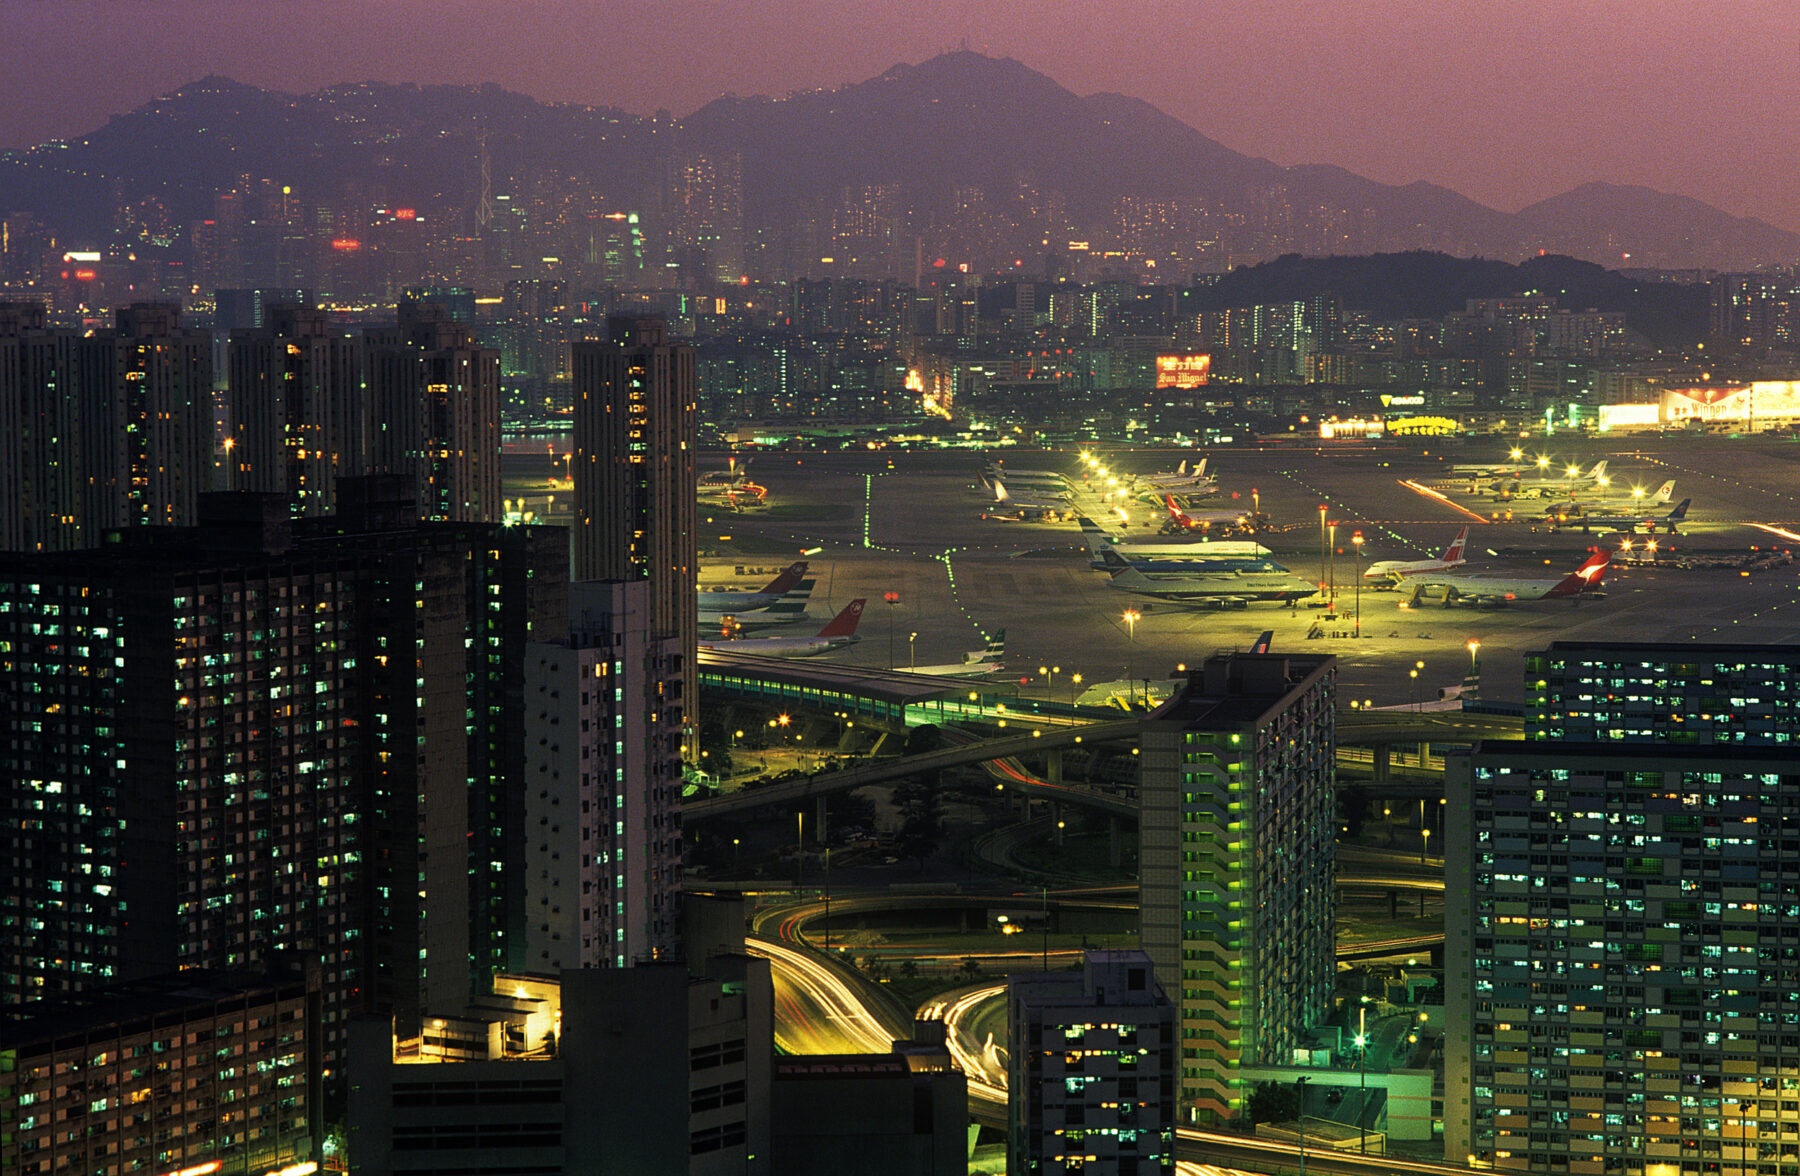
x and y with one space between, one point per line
1507 102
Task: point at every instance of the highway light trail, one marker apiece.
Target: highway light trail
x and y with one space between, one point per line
1776 531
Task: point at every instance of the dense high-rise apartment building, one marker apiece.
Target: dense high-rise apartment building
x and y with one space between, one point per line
199 1070
300 416
603 719
634 469
259 734
435 396
1621 922
1680 694
1091 1067
109 429
1236 865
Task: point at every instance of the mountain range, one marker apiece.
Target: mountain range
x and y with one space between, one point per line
936 132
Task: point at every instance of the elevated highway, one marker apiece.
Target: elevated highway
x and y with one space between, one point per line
1038 739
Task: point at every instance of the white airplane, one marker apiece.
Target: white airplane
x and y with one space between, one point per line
1178 479
789 610
1398 569
976 662
1493 589
1217 589
1029 504
763 597
1490 471
841 631
1670 522
1145 554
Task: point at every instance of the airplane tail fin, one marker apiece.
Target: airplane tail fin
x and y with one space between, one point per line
1678 514
1000 494
1664 492
1113 561
1587 577
996 646
1598 472
1182 468
844 624
781 584
1200 470
794 599
1262 644
1174 511
1454 552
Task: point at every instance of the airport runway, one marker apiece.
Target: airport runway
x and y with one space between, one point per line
914 530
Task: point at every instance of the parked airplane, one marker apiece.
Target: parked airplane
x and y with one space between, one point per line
1028 504
789 610
1492 471
1215 589
1179 481
749 601
841 631
1397 569
1148 555
1494 589
1570 479
1670 522
986 660
1200 520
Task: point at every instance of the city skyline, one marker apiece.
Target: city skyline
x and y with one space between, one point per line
1506 106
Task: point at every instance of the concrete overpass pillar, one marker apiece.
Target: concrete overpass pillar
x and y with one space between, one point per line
1115 850
1381 756
1053 771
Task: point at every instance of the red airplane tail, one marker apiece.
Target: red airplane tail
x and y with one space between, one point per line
1585 578
1454 552
844 624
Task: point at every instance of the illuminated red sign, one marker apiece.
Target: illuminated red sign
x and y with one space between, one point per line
406 214
1182 371
346 244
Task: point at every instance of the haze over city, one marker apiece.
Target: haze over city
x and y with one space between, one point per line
1505 103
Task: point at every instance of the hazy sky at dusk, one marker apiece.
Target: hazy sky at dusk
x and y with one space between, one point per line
1506 102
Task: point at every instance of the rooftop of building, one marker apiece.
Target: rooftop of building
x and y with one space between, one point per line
1602 754
139 1005
1688 651
1234 688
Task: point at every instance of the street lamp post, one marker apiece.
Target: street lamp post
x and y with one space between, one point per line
1356 541
1074 683
799 848
1301 1083
1362 1076
912 663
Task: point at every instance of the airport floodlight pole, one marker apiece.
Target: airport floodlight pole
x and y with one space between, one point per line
1331 601
799 848
1356 541
1074 685
1474 664
1131 619
1414 675
892 599
912 662
1322 509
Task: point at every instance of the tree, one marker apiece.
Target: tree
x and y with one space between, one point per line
909 969
1273 1102
971 967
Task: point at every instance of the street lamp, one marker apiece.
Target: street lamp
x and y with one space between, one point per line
1074 681
1356 541
1414 675
1474 665
1301 1083
912 662
1424 843
1362 1076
